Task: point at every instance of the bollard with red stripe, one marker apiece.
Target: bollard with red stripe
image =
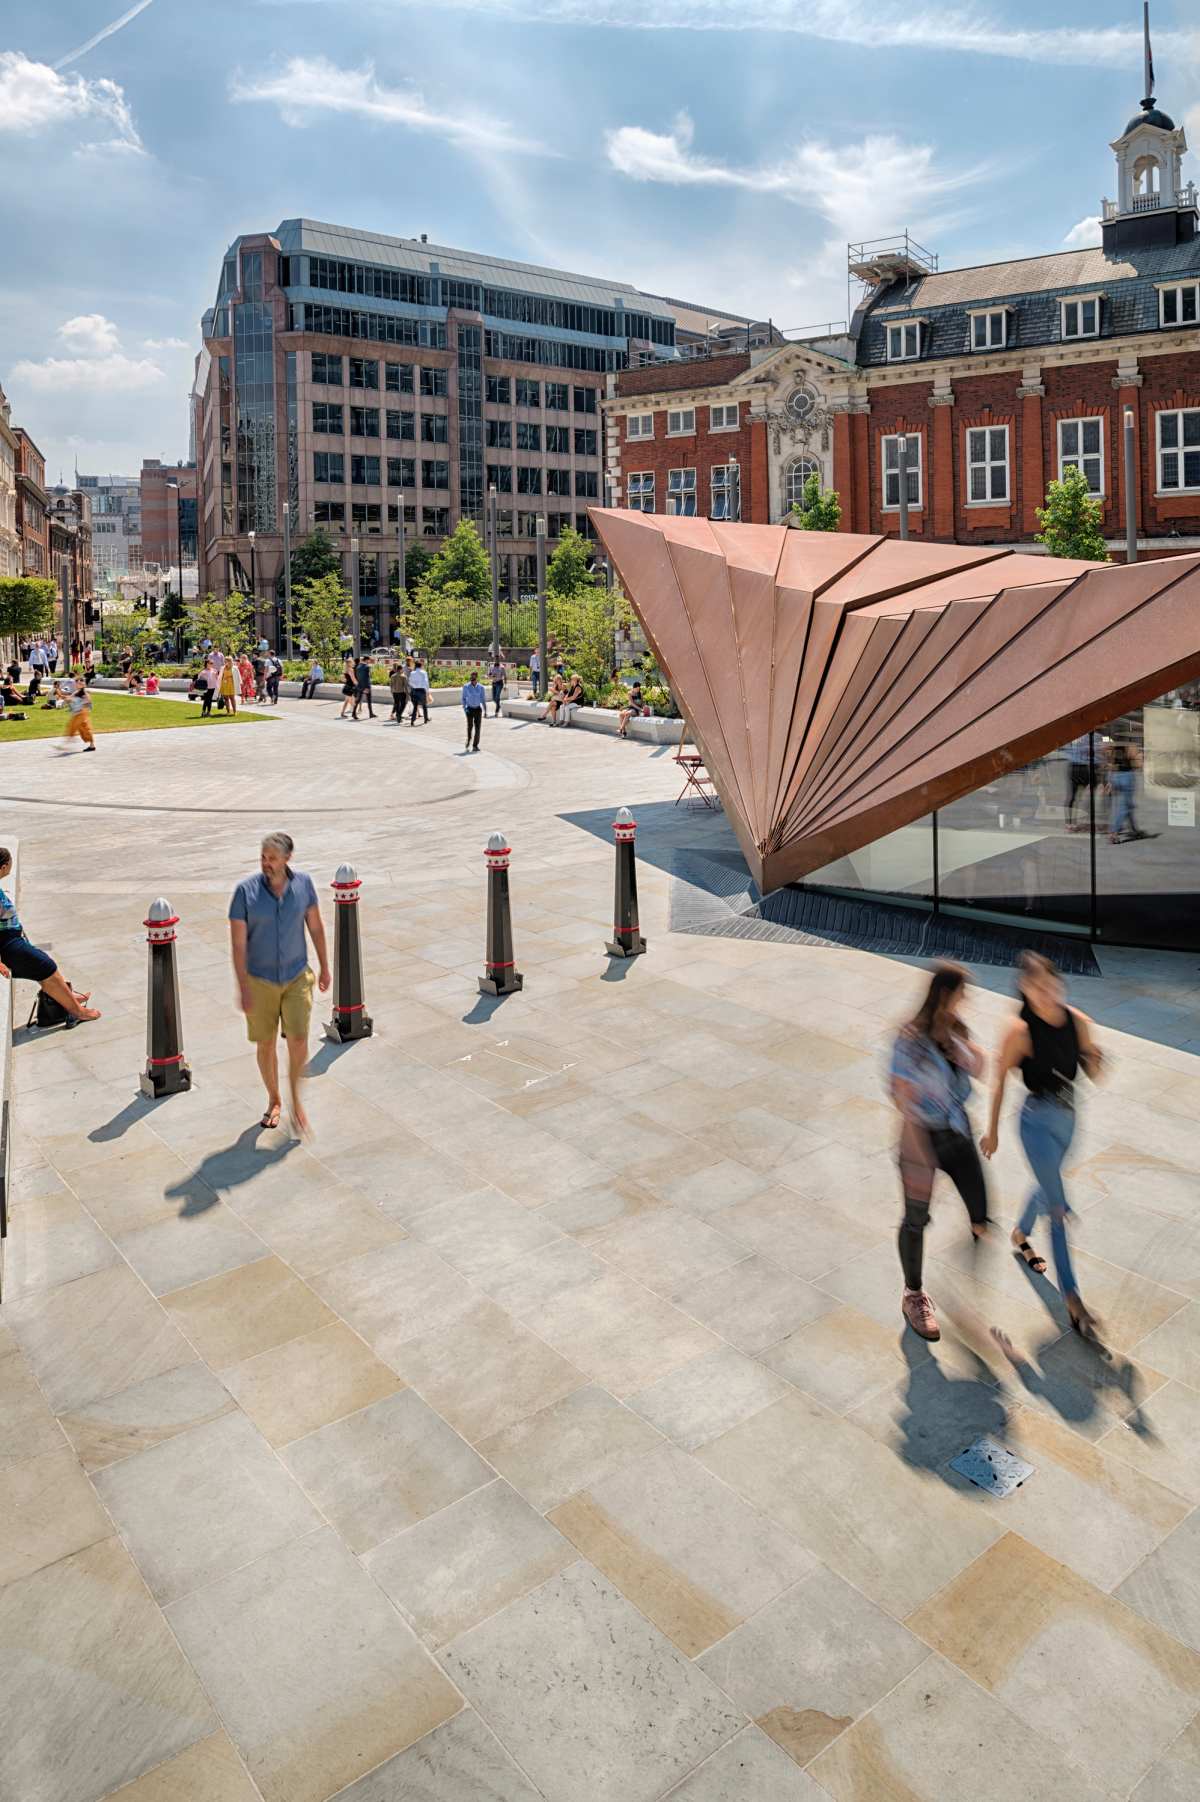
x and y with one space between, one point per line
500 973
627 940
166 1072
350 1017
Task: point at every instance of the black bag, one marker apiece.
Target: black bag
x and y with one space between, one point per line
46 1011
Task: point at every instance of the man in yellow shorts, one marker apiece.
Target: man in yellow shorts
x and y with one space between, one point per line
267 919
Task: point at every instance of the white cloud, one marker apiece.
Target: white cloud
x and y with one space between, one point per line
90 333
34 98
1084 235
309 85
861 23
99 366
166 344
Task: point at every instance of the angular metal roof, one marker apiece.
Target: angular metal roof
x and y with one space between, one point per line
311 237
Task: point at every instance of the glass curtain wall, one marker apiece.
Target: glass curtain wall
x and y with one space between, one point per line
254 389
1099 837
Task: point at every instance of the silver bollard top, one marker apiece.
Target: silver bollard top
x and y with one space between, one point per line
160 910
346 873
497 842
624 817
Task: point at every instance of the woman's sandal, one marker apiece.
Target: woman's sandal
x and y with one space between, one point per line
271 1118
1028 1255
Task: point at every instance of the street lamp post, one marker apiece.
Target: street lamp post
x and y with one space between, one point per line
355 598
494 539
179 548
902 463
1131 543
287 579
401 575
254 586
608 568
541 604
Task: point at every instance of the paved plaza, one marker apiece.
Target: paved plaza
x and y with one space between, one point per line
545 1428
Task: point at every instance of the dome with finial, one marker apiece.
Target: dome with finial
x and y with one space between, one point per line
1149 115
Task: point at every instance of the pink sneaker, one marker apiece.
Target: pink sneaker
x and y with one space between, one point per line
918 1311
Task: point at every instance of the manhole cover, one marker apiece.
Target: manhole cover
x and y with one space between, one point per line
989 1465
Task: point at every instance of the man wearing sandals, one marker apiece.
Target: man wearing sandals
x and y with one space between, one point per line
267 919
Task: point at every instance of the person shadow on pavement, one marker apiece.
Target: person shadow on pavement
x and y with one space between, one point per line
227 1169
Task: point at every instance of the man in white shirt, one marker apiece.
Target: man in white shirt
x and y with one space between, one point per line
535 672
418 688
52 656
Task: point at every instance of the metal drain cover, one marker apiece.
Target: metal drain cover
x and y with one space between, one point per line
991 1467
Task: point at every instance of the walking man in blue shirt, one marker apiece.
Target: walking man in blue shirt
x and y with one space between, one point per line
474 700
267 919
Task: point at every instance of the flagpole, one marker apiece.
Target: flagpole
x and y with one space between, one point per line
1148 71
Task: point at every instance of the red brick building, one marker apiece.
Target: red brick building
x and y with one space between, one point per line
680 438
32 525
1002 376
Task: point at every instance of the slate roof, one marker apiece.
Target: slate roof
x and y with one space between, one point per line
1031 287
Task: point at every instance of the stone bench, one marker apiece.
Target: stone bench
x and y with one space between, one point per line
652 731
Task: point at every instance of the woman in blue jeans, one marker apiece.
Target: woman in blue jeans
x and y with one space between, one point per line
1049 1043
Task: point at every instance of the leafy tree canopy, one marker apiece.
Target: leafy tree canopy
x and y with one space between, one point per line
315 556
570 568
323 606
1071 519
818 510
228 622
462 561
26 605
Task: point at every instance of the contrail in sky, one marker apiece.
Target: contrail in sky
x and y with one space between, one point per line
74 55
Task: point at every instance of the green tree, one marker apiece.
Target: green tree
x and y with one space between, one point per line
1071 519
314 557
125 626
570 568
26 605
463 562
228 622
323 606
583 625
818 510
431 611
417 561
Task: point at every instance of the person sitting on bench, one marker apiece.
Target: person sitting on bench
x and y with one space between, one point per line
18 958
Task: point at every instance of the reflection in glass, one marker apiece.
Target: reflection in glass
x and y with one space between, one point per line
1147 852
900 864
1019 845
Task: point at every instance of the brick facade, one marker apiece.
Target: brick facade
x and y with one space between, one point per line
698 385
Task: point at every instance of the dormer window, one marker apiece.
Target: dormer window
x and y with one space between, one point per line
1179 304
1081 317
904 341
989 330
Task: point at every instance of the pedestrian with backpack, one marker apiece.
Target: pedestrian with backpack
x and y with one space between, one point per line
20 959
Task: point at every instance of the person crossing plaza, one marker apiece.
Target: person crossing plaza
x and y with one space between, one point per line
79 714
269 915
418 688
474 700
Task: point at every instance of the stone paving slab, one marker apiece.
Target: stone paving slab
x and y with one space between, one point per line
545 1428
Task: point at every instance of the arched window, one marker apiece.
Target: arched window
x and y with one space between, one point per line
1146 175
794 478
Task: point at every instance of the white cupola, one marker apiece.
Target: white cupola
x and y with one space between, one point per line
1154 205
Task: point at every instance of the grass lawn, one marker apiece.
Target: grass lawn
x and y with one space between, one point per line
118 713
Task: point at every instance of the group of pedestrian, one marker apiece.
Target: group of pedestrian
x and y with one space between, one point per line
407 680
934 1062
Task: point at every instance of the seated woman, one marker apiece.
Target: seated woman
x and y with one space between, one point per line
18 958
152 683
10 694
634 708
572 698
35 686
555 699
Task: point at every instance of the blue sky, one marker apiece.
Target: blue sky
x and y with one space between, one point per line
644 139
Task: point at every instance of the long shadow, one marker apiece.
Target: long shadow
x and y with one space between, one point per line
228 1168
485 1006
617 971
946 1413
139 1108
326 1056
664 829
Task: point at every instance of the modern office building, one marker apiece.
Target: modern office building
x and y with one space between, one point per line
116 526
364 380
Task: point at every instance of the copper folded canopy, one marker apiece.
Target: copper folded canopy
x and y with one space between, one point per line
840 685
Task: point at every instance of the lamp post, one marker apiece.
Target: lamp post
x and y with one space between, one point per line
401 574
254 586
355 597
494 542
608 568
902 463
287 579
735 489
1131 543
541 604
179 548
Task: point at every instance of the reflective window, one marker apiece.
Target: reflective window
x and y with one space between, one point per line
329 513
587 484
586 443
326 418
1081 446
529 394
795 476
327 370
529 479
890 452
401 472
1147 835
328 466
364 515
435 428
558 397
398 378
435 473
558 481
987 463
900 863
681 491
1179 450
364 422
401 425
254 386
435 383
364 472
529 437
585 400
1019 845
558 439
499 434
499 477
499 390
641 491
364 372
435 522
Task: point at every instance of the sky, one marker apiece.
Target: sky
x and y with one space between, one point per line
719 151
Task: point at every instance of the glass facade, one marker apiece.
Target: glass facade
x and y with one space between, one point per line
1099 837
254 393
470 422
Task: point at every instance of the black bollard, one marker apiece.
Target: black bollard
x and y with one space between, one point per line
166 1072
350 1017
501 976
627 940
